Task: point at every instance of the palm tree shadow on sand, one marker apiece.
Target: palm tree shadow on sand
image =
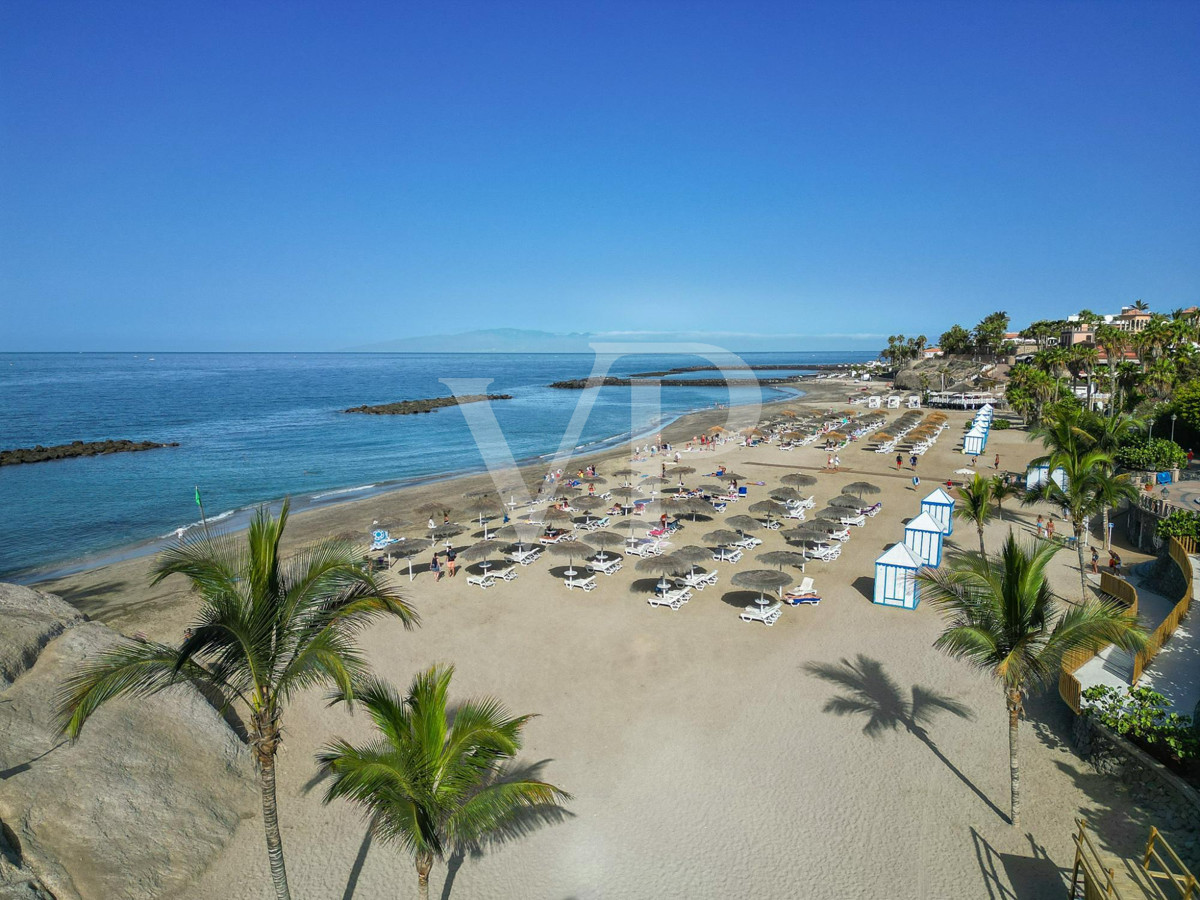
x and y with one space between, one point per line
872 693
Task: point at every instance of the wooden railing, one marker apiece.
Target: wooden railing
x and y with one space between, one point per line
1179 548
1163 875
1069 687
1168 868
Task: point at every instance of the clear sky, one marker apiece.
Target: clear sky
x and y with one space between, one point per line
309 176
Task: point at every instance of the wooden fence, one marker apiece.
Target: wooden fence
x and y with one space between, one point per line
1069 687
1179 549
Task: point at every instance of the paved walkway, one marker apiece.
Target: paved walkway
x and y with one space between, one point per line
1175 672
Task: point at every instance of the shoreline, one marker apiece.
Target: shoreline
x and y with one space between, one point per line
307 506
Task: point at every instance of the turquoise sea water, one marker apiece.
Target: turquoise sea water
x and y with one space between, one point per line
258 427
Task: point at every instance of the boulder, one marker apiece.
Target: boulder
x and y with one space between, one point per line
28 620
148 795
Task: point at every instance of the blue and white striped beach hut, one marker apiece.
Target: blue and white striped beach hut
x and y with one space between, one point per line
896 578
1039 474
975 441
940 507
924 538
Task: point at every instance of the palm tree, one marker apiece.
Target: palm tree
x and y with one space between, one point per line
1001 491
433 780
1090 489
976 504
1114 341
264 631
1004 620
1141 305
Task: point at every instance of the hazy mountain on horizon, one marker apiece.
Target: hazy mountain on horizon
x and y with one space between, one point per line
519 340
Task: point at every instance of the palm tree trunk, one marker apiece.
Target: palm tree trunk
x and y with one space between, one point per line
1014 775
1078 527
266 776
424 864
982 551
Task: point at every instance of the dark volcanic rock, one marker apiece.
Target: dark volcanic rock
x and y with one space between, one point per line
75 448
411 407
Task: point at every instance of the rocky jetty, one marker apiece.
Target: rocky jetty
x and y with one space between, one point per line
412 407
578 384
797 367
75 448
139 805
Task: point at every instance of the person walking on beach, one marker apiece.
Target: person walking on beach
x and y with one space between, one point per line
451 561
1114 563
996 462
912 460
436 569
1041 526
1049 529
837 461
1095 561
899 461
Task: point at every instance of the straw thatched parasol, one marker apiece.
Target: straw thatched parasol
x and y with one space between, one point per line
692 554
434 508
653 480
804 533
732 476
603 539
441 532
783 558
667 564
767 508
482 550
481 505
829 514
722 536
571 549
846 501
798 479
521 532
784 494
743 523
681 471
693 505
761 580
860 488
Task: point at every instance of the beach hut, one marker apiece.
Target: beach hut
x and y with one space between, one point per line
896 578
940 507
1039 474
975 441
923 535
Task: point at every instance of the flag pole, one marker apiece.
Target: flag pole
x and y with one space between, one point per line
203 519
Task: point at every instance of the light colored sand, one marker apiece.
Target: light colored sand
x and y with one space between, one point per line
697 746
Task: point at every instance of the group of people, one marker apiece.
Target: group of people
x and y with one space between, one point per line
451 566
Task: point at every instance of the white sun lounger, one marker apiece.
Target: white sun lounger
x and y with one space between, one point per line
724 554
483 581
796 513
749 542
586 584
802 593
858 521
698 581
507 574
765 614
841 534
611 566
525 557
825 554
566 535
672 599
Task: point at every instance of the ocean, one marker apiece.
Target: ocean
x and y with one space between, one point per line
255 427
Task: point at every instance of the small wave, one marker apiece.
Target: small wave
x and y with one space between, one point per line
338 493
199 523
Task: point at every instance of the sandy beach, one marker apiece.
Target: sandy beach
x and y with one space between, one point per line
698 747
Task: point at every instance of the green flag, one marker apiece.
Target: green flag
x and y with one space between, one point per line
198 503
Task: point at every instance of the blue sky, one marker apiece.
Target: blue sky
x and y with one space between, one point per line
292 176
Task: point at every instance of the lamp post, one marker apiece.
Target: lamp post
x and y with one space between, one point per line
1173 418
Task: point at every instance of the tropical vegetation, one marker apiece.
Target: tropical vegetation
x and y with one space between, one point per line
265 630
1144 716
1003 619
436 780
975 505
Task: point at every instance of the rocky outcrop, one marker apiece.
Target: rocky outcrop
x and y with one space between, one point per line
957 373
75 448
412 407
579 384
137 807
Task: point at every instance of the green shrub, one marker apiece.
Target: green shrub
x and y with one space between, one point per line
1154 455
1180 523
1140 713
1001 424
